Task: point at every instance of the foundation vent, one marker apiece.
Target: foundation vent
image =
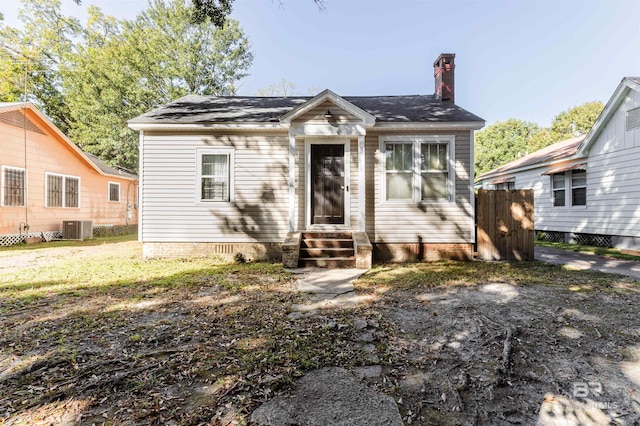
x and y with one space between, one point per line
222 249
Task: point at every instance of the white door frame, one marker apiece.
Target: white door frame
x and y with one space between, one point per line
346 142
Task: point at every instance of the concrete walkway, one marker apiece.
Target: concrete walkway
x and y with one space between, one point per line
333 395
586 261
326 281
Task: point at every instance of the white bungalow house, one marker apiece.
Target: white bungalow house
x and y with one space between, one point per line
586 189
310 176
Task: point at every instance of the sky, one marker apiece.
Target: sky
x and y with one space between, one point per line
525 59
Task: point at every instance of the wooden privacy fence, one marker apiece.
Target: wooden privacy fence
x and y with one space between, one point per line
505 224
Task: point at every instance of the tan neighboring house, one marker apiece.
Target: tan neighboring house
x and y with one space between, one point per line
308 175
586 189
47 180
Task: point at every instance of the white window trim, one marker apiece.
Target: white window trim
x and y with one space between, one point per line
417 141
2 186
109 192
568 191
215 151
64 192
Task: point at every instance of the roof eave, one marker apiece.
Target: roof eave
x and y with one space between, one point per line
75 148
208 126
491 174
444 125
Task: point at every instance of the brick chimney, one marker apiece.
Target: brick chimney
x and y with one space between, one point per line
443 73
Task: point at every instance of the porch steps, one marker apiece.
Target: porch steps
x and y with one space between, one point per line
327 250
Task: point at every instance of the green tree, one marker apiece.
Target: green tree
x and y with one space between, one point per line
216 11
502 142
125 68
30 59
576 121
506 141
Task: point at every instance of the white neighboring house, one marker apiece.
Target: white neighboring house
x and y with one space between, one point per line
586 189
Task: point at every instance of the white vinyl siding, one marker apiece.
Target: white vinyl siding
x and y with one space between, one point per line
114 191
14 186
62 191
170 190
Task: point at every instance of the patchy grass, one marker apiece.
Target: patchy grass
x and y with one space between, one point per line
157 341
602 251
113 338
446 274
10 250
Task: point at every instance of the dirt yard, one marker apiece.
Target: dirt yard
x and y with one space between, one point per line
492 353
107 338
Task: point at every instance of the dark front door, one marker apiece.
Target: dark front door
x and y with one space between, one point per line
327 184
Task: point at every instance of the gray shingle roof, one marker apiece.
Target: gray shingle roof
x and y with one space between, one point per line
196 109
636 80
116 171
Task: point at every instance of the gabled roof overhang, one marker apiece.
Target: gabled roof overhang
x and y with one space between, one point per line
625 86
556 165
208 126
60 135
327 95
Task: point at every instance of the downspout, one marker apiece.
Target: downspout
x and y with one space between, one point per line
24 128
128 212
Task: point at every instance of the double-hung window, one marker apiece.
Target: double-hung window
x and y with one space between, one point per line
578 188
557 188
62 191
506 186
215 177
399 170
114 191
417 169
569 187
13 186
434 171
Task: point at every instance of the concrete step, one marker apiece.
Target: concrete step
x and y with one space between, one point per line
335 235
326 243
326 251
327 262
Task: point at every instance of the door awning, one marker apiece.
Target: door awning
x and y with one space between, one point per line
502 180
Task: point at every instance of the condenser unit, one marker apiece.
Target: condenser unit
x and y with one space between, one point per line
77 229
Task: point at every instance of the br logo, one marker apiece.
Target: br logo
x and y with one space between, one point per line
583 389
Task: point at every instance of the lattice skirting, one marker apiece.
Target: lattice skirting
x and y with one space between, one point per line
550 236
11 239
597 240
592 240
98 231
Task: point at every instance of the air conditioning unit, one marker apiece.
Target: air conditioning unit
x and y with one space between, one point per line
77 229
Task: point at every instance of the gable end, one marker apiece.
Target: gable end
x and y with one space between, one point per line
17 119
